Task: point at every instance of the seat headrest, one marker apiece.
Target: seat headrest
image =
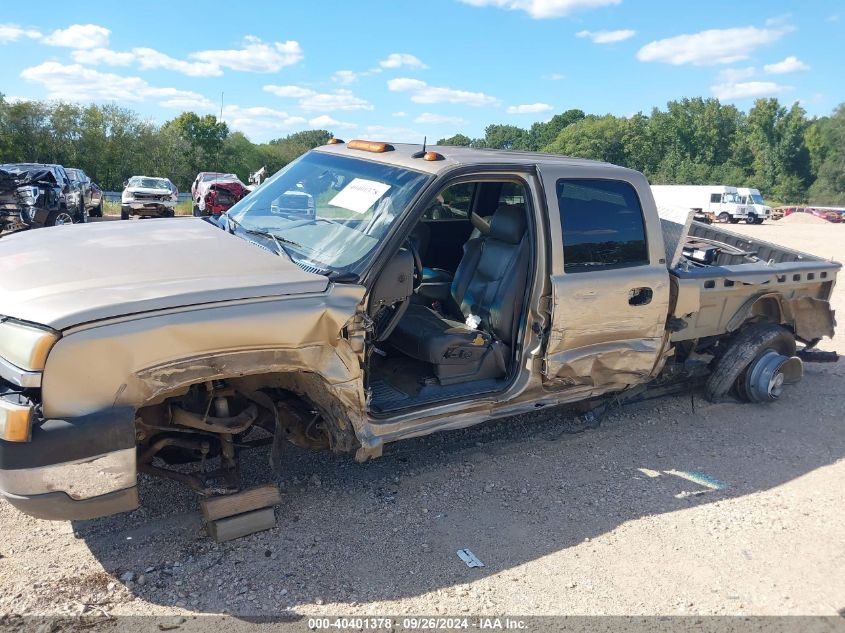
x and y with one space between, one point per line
508 223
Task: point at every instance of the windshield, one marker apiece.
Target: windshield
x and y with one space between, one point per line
149 183
756 198
74 174
330 211
210 176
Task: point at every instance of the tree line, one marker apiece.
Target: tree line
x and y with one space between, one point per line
778 150
789 156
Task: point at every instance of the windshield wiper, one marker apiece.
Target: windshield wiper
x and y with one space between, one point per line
278 241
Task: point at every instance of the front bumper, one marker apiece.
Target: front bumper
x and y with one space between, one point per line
79 468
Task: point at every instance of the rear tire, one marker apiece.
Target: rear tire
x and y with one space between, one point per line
724 217
59 218
97 212
746 346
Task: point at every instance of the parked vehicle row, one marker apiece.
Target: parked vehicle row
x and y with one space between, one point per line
715 203
34 195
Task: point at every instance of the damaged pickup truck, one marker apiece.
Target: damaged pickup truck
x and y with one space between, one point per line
369 318
34 195
215 193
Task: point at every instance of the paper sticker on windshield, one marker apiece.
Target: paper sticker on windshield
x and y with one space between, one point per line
359 195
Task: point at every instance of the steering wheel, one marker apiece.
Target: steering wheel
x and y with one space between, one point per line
411 244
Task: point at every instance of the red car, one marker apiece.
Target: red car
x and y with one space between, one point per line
214 193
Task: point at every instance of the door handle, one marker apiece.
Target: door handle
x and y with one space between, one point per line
640 296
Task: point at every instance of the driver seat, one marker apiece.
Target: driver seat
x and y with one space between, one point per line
488 288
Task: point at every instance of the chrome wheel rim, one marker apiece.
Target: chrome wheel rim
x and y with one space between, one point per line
63 218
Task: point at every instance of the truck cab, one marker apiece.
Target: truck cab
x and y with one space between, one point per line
758 208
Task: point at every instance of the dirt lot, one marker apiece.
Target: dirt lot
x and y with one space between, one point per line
606 521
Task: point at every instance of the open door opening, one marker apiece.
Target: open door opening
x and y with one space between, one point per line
458 333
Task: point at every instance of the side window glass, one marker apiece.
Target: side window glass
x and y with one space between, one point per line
715 197
453 203
602 224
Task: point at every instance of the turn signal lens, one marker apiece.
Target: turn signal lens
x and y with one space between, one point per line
432 156
335 141
15 422
370 146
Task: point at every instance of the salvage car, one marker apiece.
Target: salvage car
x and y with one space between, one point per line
89 196
35 195
214 193
148 197
551 281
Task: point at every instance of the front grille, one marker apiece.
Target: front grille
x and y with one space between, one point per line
151 196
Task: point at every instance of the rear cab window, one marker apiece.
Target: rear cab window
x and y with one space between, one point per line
602 224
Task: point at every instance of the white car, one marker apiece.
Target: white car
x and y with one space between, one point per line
148 197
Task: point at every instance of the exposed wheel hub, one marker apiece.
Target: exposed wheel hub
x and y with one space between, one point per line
767 376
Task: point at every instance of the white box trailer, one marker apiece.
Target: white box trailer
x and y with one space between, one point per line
709 202
751 197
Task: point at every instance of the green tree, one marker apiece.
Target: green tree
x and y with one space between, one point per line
499 136
458 140
543 133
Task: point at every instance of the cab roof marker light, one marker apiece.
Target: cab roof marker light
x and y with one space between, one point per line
335 141
433 156
370 146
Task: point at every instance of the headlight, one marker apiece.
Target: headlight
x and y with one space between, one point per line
127 196
25 346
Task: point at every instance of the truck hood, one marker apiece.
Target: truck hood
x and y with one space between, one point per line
68 275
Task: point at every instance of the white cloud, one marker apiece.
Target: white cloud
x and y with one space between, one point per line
400 114
260 123
789 65
325 121
13 32
607 37
79 36
529 108
78 83
733 75
747 90
337 100
102 56
397 60
311 101
292 92
421 92
148 59
432 118
715 46
554 77
254 56
345 77
540 9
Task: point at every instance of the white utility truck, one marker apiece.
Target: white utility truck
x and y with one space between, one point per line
752 198
709 202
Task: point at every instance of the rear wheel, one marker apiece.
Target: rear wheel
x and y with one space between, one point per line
97 212
755 364
59 217
724 217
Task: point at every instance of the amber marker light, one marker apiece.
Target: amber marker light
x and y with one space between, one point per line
370 146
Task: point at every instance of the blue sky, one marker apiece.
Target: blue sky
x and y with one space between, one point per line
400 70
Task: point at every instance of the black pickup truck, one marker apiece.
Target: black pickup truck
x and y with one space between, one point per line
34 195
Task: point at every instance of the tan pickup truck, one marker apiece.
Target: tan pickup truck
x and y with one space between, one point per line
364 294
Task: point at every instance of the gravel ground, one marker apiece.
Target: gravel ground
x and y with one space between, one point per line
567 520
